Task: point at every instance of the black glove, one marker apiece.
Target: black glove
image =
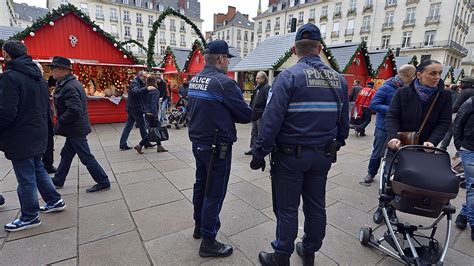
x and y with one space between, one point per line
257 163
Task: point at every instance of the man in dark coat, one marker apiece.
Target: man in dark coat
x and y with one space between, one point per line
70 102
258 103
183 89
24 107
134 108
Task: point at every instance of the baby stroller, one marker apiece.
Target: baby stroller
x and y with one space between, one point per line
355 118
178 115
420 182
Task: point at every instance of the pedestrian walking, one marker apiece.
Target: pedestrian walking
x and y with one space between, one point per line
72 122
216 103
24 107
362 104
354 92
307 119
183 89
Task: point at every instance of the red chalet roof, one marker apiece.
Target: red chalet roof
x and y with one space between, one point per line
70 36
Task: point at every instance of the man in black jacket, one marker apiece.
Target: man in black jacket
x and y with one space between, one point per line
258 103
463 130
134 108
70 102
24 104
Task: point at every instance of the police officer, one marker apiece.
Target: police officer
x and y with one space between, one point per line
215 104
305 122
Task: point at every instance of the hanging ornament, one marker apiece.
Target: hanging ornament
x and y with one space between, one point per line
82 16
120 49
51 23
62 14
32 34
115 45
329 57
94 29
22 41
124 56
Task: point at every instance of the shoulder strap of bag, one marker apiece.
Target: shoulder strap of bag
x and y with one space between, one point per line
428 114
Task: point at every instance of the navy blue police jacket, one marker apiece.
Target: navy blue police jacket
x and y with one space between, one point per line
215 102
302 108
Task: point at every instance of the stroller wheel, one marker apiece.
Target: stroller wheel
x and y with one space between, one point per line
168 126
364 235
177 126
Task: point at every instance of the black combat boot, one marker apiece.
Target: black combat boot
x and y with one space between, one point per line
273 259
213 248
307 257
197 232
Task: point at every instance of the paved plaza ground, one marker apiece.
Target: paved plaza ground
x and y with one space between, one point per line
146 218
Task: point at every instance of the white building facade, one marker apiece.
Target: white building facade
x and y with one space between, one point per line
7 13
133 19
239 33
429 29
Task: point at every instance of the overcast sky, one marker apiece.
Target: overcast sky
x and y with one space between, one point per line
208 8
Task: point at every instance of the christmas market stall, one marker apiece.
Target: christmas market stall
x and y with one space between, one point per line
353 62
447 75
273 55
100 63
383 62
404 60
458 74
173 63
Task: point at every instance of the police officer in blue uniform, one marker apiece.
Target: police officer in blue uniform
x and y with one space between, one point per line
304 124
215 105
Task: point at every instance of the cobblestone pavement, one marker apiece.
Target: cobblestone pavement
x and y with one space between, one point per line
146 218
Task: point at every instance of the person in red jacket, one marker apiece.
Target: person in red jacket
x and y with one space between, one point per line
362 104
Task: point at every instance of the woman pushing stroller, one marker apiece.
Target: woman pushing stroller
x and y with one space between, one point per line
423 106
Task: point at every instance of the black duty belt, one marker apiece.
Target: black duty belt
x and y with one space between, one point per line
298 149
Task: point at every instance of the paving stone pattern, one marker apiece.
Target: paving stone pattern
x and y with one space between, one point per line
146 217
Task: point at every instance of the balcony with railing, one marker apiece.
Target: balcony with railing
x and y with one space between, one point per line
182 29
352 12
127 21
162 41
387 26
115 34
113 18
441 44
390 4
172 28
409 2
323 18
173 42
139 23
368 8
349 32
336 15
182 43
268 28
140 38
259 30
334 34
299 22
277 26
127 36
311 20
364 30
239 37
433 20
162 26
408 23
99 16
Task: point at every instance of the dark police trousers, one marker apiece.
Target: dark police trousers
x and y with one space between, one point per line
207 209
293 176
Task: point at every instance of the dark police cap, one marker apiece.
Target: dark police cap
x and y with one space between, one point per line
370 84
218 47
308 32
62 62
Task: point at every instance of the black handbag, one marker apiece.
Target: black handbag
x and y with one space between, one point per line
158 134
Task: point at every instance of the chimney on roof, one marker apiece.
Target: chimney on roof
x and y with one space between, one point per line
182 4
219 20
272 2
246 16
231 10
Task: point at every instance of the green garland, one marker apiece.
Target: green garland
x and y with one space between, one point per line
169 50
196 44
134 42
390 55
156 26
414 61
330 56
282 60
61 11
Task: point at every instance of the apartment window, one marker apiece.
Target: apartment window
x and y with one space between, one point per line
338 8
368 2
113 14
289 20
259 39
429 37
218 35
259 29
138 2
182 40
238 46
324 11
322 28
125 2
139 34
410 17
162 50
182 26
126 16
161 7
151 20
366 23
335 27
99 13
385 41
246 36
300 17
251 37
239 34
150 5
406 39
269 23
162 37
434 11
173 38
172 25
128 47
312 13
139 19
391 2
389 19
352 4
277 23
127 31
84 8
350 27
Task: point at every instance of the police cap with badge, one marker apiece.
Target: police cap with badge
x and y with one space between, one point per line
218 47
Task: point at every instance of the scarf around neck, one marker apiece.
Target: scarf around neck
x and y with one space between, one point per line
424 92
